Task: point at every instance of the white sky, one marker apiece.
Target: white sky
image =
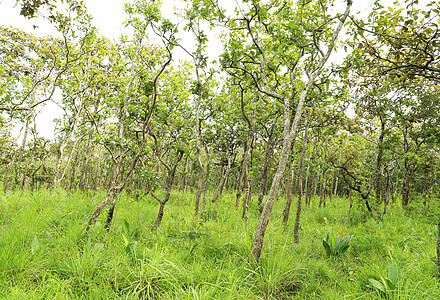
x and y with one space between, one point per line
108 17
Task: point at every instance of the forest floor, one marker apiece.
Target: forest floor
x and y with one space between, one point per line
46 252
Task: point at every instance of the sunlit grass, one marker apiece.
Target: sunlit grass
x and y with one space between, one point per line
46 251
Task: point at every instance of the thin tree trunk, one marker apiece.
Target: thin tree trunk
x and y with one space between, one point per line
396 184
184 177
289 188
335 190
81 184
308 186
269 150
379 160
64 169
244 168
222 180
323 190
247 197
317 180
200 182
73 171
386 197
169 186
205 189
332 184
240 180
300 175
23 180
406 188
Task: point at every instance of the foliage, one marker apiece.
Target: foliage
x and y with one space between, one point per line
335 247
390 283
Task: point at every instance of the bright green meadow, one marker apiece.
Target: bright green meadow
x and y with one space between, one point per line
47 253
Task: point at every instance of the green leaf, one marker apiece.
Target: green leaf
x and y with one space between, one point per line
34 245
127 226
327 248
48 237
390 285
393 273
135 232
126 242
378 285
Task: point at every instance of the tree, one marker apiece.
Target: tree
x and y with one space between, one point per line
146 66
402 42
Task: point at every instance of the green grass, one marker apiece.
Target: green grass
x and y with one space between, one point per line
47 253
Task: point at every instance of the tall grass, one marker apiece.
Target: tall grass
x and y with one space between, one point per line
47 253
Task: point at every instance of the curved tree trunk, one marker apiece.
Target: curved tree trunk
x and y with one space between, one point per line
269 150
169 186
244 168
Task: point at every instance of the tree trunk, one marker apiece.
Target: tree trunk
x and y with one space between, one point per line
406 188
85 162
300 176
307 186
247 197
379 160
240 180
58 179
335 191
386 196
159 214
73 171
323 190
289 188
205 189
223 179
23 180
169 186
396 184
244 168
200 181
332 184
111 212
317 180
269 150
184 177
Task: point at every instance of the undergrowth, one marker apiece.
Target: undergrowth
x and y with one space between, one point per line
46 251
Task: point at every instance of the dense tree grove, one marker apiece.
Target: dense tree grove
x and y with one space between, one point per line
273 119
